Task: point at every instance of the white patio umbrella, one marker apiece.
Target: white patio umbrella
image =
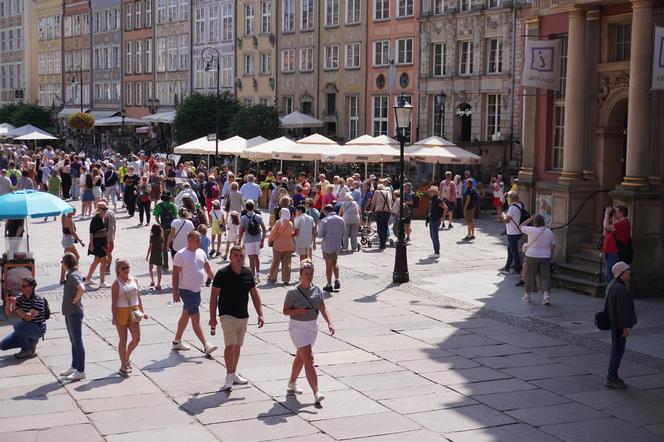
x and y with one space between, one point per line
5 128
269 149
162 117
27 129
297 120
311 148
34 136
364 149
118 121
255 141
387 141
194 147
437 150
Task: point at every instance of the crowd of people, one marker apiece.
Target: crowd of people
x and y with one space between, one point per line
186 201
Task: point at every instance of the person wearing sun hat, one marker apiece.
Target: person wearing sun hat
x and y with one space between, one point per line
622 316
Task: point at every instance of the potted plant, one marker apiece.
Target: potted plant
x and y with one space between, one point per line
81 121
421 211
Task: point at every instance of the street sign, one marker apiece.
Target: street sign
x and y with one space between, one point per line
211 137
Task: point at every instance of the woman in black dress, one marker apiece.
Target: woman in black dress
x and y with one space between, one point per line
130 181
98 244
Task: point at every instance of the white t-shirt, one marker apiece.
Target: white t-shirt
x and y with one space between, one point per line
305 231
180 241
192 268
514 212
539 244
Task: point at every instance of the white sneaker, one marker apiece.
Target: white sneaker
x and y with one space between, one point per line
67 372
294 388
180 346
434 255
526 298
228 385
76 376
209 348
546 300
104 285
239 380
318 396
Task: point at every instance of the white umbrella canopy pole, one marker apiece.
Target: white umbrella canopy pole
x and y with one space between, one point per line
433 174
235 165
366 170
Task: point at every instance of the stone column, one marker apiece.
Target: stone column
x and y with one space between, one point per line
575 96
640 75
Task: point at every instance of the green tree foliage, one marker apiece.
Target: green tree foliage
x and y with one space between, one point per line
21 114
194 117
252 121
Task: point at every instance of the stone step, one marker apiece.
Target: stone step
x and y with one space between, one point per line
582 270
583 285
589 248
586 258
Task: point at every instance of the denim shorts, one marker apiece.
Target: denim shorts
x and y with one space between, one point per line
190 300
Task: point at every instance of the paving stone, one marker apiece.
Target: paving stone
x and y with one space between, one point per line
47 390
413 354
438 364
384 381
627 369
476 323
657 429
147 418
23 407
572 384
269 428
184 433
507 433
27 380
556 414
605 430
239 395
239 410
499 330
409 436
391 342
112 387
647 382
489 350
343 403
342 357
491 387
406 392
278 388
360 368
70 433
520 399
518 360
317 437
460 419
528 340
640 414
32 422
463 376
562 351
544 371
123 402
609 398
442 398
364 426
434 335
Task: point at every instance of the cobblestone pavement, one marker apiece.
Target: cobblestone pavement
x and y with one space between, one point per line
452 355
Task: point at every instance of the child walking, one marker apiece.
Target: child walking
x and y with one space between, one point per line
205 245
232 230
217 217
155 254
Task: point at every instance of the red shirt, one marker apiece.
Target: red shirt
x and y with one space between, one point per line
623 231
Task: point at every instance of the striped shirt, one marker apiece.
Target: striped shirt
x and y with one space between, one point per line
34 303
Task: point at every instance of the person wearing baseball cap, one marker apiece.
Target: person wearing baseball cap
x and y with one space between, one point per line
622 316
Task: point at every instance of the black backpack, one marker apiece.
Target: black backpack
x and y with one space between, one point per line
524 213
253 228
166 217
47 310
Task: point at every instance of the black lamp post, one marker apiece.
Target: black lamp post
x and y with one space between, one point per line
402 113
210 55
123 114
442 97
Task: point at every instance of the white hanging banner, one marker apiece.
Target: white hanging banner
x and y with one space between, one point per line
542 65
658 61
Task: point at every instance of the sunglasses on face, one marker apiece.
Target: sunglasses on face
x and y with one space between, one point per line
103 209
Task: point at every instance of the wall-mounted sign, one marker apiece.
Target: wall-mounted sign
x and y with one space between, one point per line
542 65
464 110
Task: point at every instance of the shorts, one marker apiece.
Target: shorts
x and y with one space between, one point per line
190 300
234 329
331 256
216 227
303 333
469 215
231 236
451 205
497 203
123 316
252 248
68 241
303 252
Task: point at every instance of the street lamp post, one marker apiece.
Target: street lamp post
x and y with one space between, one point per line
210 55
73 69
123 114
442 97
402 113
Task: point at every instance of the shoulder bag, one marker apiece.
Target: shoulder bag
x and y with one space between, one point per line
525 245
307 299
602 318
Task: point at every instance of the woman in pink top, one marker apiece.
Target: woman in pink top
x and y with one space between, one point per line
281 241
329 197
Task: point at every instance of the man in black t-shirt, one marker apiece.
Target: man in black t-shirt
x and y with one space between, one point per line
436 208
238 283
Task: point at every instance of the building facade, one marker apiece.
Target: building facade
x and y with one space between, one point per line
342 68
44 65
597 139
106 41
138 57
76 47
256 44
213 25
298 48
172 36
467 76
393 60
12 39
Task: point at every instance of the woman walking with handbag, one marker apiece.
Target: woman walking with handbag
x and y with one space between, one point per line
539 251
302 304
281 241
127 311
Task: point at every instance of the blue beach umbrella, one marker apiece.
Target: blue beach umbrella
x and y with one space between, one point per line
31 203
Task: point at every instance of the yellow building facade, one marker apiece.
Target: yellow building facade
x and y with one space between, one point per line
44 71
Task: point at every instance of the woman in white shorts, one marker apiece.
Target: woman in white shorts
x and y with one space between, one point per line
302 304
